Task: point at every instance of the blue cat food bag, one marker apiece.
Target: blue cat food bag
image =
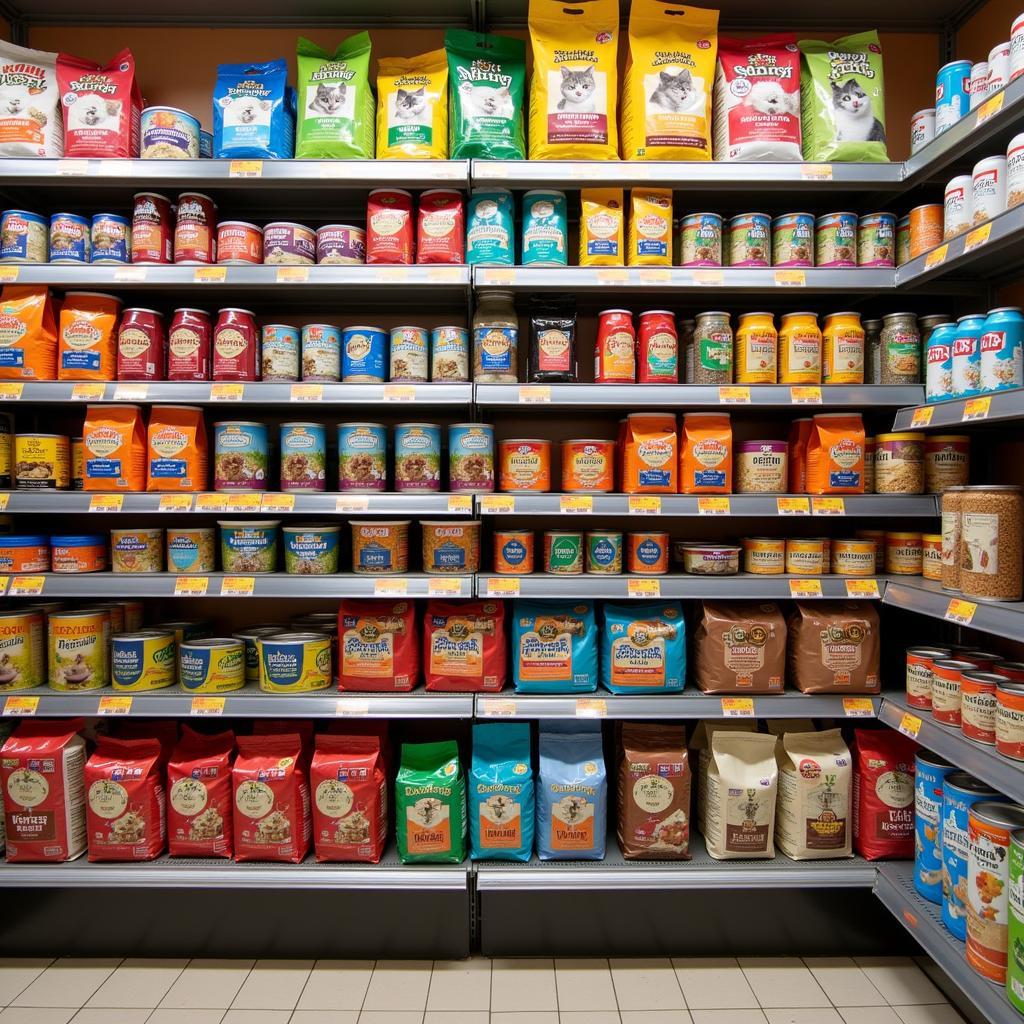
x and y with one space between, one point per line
572 796
643 648
501 803
554 647
253 111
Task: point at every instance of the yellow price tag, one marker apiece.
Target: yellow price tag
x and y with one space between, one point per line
120 705
713 506
793 506
131 392
976 408
732 395
591 707
245 169
5 498
8 274
499 275
978 237
226 391
922 416
191 586
26 586
20 707
612 275
390 588
497 504
991 106
651 275
460 503
242 502
805 588
576 504
534 394
277 503
88 392
306 393
959 611
495 707
645 504
816 172
643 588
3 583
211 502
790 279
503 586
207 706
292 275
11 390
444 275
106 502
737 707
862 588
351 503
444 587
936 257
708 278
399 392
828 506
858 707
209 275
910 725
237 586
175 503
805 395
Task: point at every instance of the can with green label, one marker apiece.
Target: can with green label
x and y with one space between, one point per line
1015 924
604 552
563 553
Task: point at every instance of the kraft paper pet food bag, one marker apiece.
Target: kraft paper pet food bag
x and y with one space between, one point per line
670 71
335 103
572 796
501 801
30 111
643 648
251 111
412 107
487 79
554 647
842 98
574 88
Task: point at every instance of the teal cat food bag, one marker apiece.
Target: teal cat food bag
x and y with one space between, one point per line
486 84
501 792
554 647
430 804
335 103
842 99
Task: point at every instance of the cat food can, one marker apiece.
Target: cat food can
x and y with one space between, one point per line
288 243
303 457
903 240
22 649
248 546
978 705
70 238
450 547
978 86
471 458
191 549
24 553
1017 48
956 206
604 553
389 226
168 133
417 458
615 351
241 456
700 240
236 346
78 648
409 348
930 773
195 229
966 343
42 462
835 240
141 345
1002 349
513 552
764 556
925 228
23 237
440 227
340 244
988 189
545 229
793 240
189 341
1010 717
524 466
946 690
146 660
362 458
588 466
152 229
250 637
952 94
750 242
77 553
380 547
279 352
364 352
939 367
239 243
321 352
806 556
449 354
489 237
647 553
876 240
311 550
563 553
853 557
922 129
1013 670
931 556
212 665
295 662
111 238
657 348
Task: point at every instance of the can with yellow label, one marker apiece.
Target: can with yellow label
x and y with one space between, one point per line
764 556
854 557
756 349
216 665
843 349
143 661
806 556
799 349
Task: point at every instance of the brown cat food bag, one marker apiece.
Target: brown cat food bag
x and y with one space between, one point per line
834 647
740 648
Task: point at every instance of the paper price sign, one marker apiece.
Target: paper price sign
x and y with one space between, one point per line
106 503
731 395
497 504
20 707
910 725
209 275
127 275
959 611
390 588
460 503
499 276
306 393
536 394
245 169
643 588
211 502
805 588
3 583
922 416
353 504
816 172
225 391
976 408
790 506
790 279
242 503
8 274
444 275
978 237
614 275
237 586
292 275
644 505
738 707
191 586
713 506
828 506
399 393
652 275
26 586
207 706
708 278
499 587
345 707
591 707
114 706
4 501
990 107
443 588
573 504
131 392
87 392
391 275
936 257
497 708
862 588
805 395
858 707
11 391
277 503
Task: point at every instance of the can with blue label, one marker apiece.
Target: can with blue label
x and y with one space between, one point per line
303 457
604 552
952 94
23 237
249 637
929 776
214 665
939 372
321 352
70 238
205 144
111 238
279 357
364 355
449 355
647 553
545 229
1002 335
513 552
241 456
489 239
967 356
143 661
295 662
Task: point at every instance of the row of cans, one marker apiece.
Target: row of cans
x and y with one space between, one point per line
976 355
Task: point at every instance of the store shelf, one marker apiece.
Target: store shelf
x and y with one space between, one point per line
895 888
1000 618
1000 406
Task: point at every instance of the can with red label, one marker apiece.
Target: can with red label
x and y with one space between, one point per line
195 240
152 228
615 355
239 243
389 227
141 345
658 348
440 227
188 345
236 344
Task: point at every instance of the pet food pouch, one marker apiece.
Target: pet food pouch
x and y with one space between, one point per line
654 792
643 647
464 646
125 800
251 111
650 462
501 801
757 99
842 99
335 115
883 794
30 111
102 106
199 795
740 647
114 448
572 795
554 647
574 87
28 334
705 456
430 804
834 647
87 342
650 228
835 455
378 645
487 76
602 215
349 789
666 96
412 107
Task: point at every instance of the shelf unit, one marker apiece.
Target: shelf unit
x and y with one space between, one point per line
927 597
998 407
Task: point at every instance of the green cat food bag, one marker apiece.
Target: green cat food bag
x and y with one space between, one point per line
842 99
486 76
336 107
430 804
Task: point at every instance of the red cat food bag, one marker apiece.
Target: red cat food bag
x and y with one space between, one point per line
883 794
374 727
125 800
304 727
199 796
42 771
464 646
349 792
271 797
102 105
378 646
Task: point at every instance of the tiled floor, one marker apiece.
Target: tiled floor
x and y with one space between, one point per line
783 990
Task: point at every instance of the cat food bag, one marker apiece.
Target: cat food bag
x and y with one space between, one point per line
335 102
574 89
412 107
740 647
28 333
649 448
349 788
654 792
602 216
650 228
114 448
842 99
835 455
486 84
199 795
87 338
834 647
252 115
501 801
30 110
700 744
464 646
643 647
378 645
883 794
812 817
430 804
572 795
666 95
102 106
757 99
554 647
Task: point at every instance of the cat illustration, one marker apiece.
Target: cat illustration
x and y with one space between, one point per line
329 99
578 88
769 97
855 120
481 101
244 110
411 104
12 103
91 111
675 93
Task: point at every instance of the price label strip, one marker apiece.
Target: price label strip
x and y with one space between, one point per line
737 707
237 586
644 505
910 725
643 588
922 416
805 588
828 506
862 588
591 707
114 705
191 586
500 586
106 503
858 707
574 504
961 612
792 506
26 586
205 706
713 506
492 707
976 408
20 707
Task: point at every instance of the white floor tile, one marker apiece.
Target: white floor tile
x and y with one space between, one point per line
67 982
17 973
843 981
646 984
391 1017
398 985
250 1016
900 980
819 1015
589 1017
273 985
460 985
939 1013
138 983
457 1017
324 1017
336 985
584 985
163 1015
869 1015
106 1015
782 982
522 985
711 983
35 1015
728 1017
526 1017
656 1017
207 985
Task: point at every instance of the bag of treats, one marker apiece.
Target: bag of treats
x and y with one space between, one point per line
199 795
834 647
501 801
102 106
883 794
378 645
572 795
30 111
464 648
430 804
700 744
740 647
554 647
412 107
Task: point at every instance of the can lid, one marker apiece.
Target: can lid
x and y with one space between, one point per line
25 540
966 666
994 813
927 757
212 641
229 524
144 634
296 638
969 784
988 678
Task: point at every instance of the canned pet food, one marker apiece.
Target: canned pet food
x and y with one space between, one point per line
295 662
279 352
380 547
998 66
6 450
340 245
806 557
922 129
939 370
213 665
143 661
189 340
70 239
761 467
925 228
1002 361
750 240
137 551
249 547
920 674
303 457
978 705
843 349
588 466
899 464
195 230
657 348
489 220
990 542
647 553
563 553
764 556
168 133
22 649
1015 172
903 240
710 559
41 462
854 557
451 547
931 556
362 458
152 238
389 226
74 553
236 346
310 550
24 553
78 649
988 189
956 206
409 354
793 240
1009 718
899 349
524 465
449 354
513 552
710 352
417 458
440 226
141 345
111 237
930 772
946 685
241 456
903 554
604 552
799 349
23 237
288 243
545 230
876 240
470 458
239 243
756 349
321 352
700 240
615 352
249 637
363 355
191 549
835 240
952 96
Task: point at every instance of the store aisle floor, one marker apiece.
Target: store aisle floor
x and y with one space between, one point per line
782 990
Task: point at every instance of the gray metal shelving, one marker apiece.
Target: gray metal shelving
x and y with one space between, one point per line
926 597
999 407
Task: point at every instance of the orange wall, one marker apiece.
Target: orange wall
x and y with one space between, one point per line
989 26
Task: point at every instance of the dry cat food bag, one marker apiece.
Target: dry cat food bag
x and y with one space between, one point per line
650 444
335 102
554 647
42 770
430 804
705 453
30 121
812 819
650 228
199 795
501 800
412 107
574 87
834 647
176 450
740 786
602 215
125 800
842 99
666 95
487 79
643 647
87 340
700 744
102 106
378 645
114 448
835 454
740 647
271 815
349 788
883 794
28 334
464 646
654 792
253 111
757 99
572 794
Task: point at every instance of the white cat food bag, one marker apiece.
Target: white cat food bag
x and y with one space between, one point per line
102 106
30 121
666 95
842 99
757 99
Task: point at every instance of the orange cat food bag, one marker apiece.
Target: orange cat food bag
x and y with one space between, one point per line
114 446
87 348
28 334
705 462
650 228
176 458
835 454
649 449
602 214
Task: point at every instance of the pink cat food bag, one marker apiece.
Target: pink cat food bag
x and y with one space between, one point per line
102 105
757 99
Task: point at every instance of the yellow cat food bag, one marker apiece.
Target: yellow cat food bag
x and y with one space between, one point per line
650 228
601 234
412 107
670 73
574 88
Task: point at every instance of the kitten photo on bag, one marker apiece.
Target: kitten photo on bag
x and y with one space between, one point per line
329 99
854 117
676 93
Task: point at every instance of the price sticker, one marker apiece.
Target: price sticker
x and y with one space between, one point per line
805 395
351 503
72 168
862 588
444 275
306 393
497 504
444 588
922 416
737 707
8 274
991 106
242 503
858 707
346 707
20 707
708 278
132 392
88 392
391 275
277 503
910 725
576 504
26 586
11 390
652 275
211 502
334 169
292 275
498 276
502 586
978 237
460 503
936 257
106 502
130 275
209 275
790 279
390 588
399 392
792 506
976 408
612 275
713 506
226 391
534 394
207 706
245 169
495 707
910 918
816 172
805 588
644 505
732 395
828 506
591 707
3 583
237 586
643 588
191 586
959 611
5 498
119 705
